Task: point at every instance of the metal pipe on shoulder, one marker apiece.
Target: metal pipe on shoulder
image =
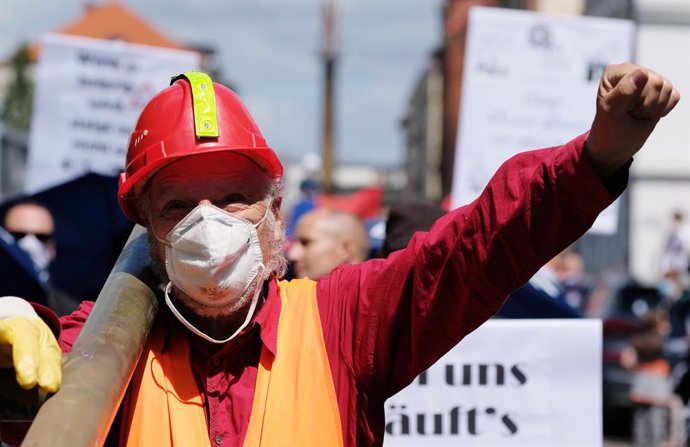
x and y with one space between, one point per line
97 371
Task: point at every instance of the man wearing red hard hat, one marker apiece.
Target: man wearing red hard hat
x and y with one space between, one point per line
239 357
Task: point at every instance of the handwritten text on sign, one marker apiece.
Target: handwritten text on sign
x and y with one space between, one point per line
89 93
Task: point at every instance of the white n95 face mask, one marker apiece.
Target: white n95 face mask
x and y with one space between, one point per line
36 250
213 256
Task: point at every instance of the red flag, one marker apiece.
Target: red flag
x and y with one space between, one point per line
365 203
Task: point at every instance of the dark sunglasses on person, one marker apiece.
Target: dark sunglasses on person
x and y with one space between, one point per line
43 237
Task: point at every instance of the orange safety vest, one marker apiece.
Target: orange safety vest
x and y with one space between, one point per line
294 400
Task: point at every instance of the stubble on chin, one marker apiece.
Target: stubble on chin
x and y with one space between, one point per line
157 263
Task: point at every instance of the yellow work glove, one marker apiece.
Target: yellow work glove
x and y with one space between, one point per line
28 345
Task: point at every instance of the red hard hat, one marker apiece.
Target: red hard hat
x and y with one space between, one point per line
188 119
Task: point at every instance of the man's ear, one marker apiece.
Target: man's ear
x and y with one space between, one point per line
348 251
278 233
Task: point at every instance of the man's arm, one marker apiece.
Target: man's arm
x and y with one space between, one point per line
405 312
398 316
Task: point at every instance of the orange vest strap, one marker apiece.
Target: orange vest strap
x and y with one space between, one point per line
164 394
295 402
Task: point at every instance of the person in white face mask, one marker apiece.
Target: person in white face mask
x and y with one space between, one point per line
32 227
238 356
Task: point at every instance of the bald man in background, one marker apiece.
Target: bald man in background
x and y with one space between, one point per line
326 238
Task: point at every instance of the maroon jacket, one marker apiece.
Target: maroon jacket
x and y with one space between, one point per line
386 320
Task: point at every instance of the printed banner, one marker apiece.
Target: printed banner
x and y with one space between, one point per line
530 81
88 95
527 383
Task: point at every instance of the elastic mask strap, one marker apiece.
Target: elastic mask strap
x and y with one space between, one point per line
268 209
191 327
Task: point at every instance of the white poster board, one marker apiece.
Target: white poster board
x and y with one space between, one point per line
527 383
530 81
88 96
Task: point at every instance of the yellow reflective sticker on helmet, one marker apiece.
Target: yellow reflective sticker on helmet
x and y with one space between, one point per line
203 102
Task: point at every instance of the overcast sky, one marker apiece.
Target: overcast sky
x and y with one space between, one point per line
269 50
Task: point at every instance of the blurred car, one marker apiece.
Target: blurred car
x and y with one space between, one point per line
626 306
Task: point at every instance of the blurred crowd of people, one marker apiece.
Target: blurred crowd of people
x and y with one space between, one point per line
657 317
321 238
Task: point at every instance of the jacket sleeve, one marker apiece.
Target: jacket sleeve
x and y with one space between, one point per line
71 325
394 318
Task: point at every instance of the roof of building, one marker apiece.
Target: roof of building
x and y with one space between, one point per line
113 20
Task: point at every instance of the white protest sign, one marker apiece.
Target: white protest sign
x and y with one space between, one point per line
88 95
530 81
527 383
